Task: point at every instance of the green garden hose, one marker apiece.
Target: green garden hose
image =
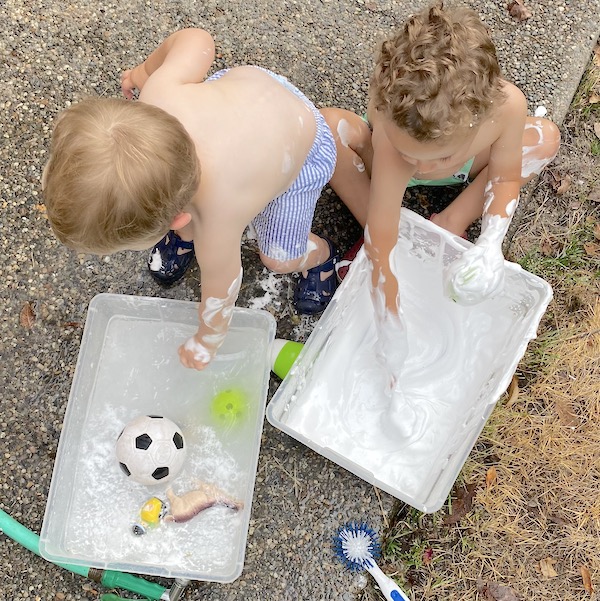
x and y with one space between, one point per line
108 578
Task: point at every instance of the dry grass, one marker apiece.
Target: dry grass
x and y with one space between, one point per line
535 524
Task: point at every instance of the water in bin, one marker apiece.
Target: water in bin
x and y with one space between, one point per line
128 366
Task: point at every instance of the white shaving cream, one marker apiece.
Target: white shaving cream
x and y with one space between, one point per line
479 273
400 435
392 347
310 246
532 164
460 359
215 316
155 261
360 166
344 130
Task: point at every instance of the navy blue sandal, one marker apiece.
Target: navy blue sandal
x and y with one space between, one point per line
313 295
170 258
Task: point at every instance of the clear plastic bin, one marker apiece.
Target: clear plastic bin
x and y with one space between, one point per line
128 366
461 360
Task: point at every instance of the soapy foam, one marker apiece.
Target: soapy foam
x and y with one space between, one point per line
344 130
156 261
532 165
404 439
217 316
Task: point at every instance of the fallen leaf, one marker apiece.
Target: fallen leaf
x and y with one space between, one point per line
564 184
564 410
555 519
27 316
597 129
594 195
462 505
427 556
592 249
597 231
587 580
513 391
491 477
492 591
518 10
547 567
546 248
594 99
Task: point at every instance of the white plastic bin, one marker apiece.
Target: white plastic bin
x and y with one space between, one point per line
461 360
128 365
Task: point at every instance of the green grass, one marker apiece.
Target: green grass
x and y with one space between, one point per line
571 265
589 85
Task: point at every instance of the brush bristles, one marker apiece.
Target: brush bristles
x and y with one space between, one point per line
357 546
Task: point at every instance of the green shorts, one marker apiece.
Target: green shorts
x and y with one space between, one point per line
460 177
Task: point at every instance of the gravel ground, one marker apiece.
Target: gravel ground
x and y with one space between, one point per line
55 52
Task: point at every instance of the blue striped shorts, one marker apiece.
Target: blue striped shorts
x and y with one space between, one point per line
283 226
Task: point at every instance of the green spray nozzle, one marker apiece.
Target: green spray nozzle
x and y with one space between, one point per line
283 355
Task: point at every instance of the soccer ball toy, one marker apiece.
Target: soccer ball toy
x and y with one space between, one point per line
151 449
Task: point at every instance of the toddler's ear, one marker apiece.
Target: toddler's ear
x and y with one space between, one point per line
180 221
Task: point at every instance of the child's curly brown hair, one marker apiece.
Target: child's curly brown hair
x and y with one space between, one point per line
438 74
119 172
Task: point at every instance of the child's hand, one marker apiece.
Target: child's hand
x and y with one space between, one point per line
476 276
127 85
195 354
133 79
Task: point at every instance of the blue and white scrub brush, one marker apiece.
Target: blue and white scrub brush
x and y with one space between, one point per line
358 547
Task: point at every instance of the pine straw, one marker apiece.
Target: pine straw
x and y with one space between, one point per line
542 512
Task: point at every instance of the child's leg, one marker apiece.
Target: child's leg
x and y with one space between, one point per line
283 228
352 177
317 282
317 252
541 139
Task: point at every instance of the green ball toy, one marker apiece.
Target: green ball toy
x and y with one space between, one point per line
229 406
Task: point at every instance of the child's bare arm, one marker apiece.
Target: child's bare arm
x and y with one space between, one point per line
504 168
389 178
479 273
218 253
184 57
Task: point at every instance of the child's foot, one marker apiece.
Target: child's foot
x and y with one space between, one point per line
315 290
170 258
343 265
433 220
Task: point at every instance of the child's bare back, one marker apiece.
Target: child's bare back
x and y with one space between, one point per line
252 136
187 167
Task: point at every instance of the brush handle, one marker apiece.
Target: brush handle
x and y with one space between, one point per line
388 587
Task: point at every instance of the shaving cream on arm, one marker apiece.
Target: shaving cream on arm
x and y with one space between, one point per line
479 273
215 315
392 342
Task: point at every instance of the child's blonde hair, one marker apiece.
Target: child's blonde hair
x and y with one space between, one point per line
438 74
119 172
